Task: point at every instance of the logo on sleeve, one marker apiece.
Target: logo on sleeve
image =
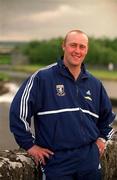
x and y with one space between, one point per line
60 90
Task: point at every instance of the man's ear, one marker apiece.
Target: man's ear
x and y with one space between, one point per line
63 46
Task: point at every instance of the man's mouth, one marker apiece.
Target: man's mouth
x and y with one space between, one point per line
76 56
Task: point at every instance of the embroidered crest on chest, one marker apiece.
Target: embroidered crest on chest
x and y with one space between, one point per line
60 90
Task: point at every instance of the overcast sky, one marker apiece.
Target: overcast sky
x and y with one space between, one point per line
43 19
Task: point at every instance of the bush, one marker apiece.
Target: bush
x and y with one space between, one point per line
44 52
101 51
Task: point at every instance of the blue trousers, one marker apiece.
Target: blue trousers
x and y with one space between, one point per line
91 175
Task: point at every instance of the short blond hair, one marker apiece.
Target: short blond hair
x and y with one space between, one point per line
75 30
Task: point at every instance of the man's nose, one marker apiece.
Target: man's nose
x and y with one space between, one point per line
77 49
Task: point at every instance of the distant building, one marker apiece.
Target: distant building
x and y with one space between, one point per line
18 58
110 66
13 50
5 50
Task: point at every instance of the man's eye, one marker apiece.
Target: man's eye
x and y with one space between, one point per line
73 45
82 46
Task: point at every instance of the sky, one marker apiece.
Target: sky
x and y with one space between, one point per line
25 20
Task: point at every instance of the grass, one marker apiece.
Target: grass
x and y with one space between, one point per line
104 74
4 77
5 59
100 74
26 68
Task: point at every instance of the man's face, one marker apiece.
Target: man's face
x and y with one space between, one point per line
75 49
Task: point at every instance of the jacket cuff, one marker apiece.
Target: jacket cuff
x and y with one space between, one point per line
28 146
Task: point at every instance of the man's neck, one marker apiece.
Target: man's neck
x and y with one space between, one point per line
74 70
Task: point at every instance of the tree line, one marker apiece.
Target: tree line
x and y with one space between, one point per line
102 51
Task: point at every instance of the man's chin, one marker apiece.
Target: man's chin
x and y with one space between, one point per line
77 62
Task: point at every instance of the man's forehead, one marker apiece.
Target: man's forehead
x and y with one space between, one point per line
74 36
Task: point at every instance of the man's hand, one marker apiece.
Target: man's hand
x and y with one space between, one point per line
39 154
101 145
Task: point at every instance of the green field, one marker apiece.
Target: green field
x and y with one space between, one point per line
26 68
4 77
104 74
5 59
100 74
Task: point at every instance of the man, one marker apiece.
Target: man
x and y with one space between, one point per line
72 115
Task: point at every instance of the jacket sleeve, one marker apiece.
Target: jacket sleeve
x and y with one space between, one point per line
106 116
23 108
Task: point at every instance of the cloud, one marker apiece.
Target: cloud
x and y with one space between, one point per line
60 12
39 19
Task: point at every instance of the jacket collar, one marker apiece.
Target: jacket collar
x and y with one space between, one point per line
65 71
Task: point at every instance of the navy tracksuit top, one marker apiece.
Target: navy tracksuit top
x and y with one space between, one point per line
69 115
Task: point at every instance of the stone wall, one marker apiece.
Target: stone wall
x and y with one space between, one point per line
109 161
3 88
17 165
